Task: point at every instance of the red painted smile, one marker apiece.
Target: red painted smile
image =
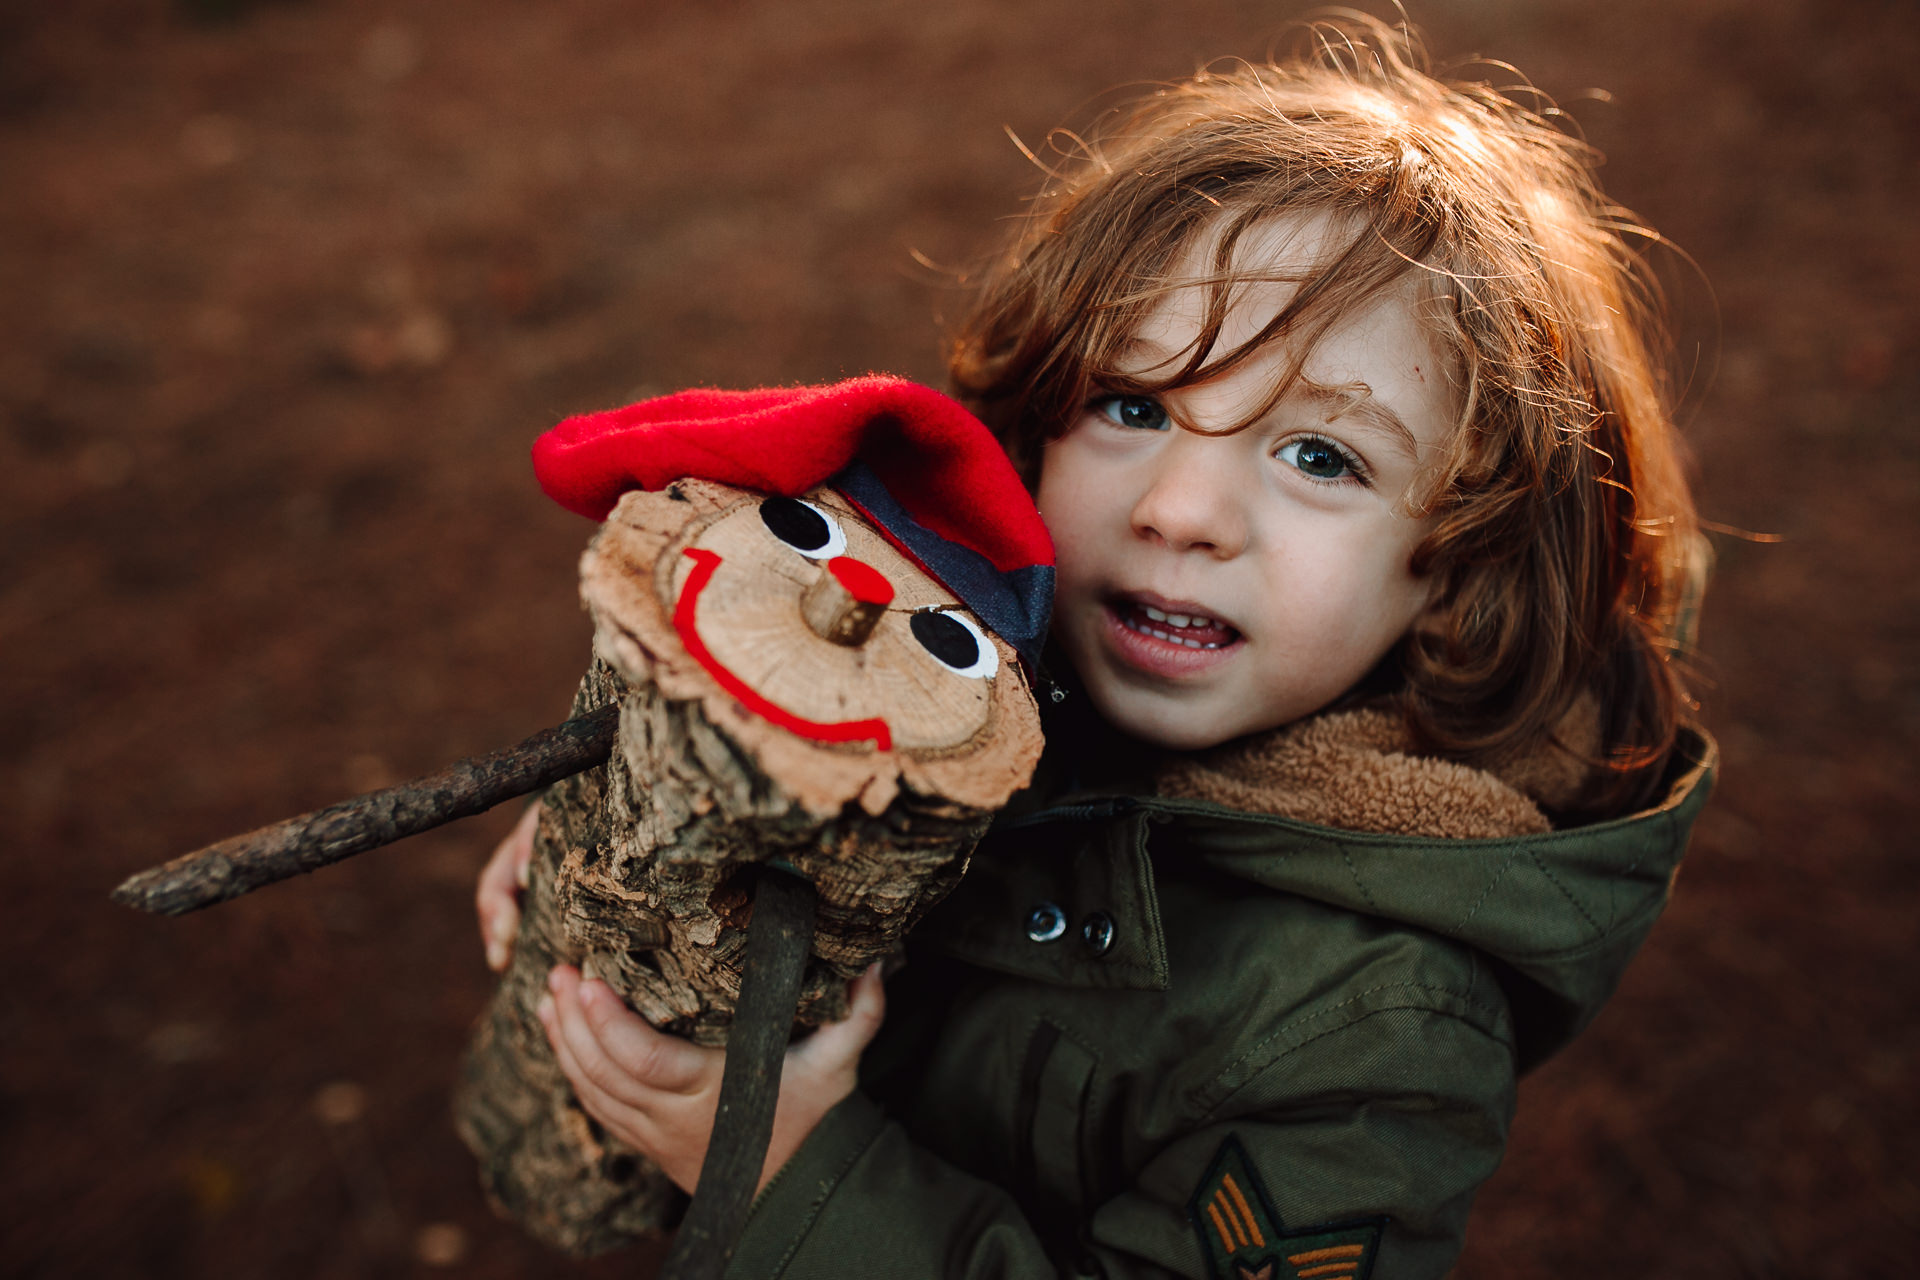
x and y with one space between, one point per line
704 564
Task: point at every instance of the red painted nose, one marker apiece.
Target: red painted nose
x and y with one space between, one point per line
846 602
863 582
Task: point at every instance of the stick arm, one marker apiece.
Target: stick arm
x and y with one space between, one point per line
243 863
779 939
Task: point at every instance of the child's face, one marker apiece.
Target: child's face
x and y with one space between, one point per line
1216 586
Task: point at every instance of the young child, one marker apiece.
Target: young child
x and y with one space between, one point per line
1336 389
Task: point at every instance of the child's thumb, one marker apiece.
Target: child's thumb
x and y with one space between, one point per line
838 1045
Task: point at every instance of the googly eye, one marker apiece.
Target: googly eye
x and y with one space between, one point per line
956 643
804 527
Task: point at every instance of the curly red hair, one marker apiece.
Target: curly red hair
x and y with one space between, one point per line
1564 539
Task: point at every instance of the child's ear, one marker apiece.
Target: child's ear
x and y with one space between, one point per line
1435 616
1436 585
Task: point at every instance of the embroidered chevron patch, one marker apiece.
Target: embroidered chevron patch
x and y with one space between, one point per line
1243 1239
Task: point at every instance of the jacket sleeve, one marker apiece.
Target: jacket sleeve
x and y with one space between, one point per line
1394 1161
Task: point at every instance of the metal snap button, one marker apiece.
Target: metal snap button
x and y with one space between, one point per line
1097 931
1046 922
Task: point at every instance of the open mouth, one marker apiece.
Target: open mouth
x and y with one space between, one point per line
1186 627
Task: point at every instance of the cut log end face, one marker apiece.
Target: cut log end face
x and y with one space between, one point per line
718 595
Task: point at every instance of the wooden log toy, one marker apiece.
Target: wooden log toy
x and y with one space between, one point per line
750 732
816 612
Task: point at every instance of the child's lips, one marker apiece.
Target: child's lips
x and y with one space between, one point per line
1166 637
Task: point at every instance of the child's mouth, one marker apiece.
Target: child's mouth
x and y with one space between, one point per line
1187 628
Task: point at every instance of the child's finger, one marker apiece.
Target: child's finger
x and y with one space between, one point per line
619 1051
619 1117
581 1056
496 895
518 846
636 1048
499 925
520 843
838 1045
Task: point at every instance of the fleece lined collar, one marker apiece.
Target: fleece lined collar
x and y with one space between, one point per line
1359 771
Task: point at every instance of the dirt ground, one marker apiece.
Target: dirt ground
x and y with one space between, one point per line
286 289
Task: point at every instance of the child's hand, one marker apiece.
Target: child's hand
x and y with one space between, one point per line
658 1092
497 897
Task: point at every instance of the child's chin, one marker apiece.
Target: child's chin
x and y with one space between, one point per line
1168 722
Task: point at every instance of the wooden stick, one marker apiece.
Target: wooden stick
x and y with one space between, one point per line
243 863
779 939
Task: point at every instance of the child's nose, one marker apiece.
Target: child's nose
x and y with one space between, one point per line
1192 500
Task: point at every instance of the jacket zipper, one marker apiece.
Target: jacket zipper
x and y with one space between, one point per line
1091 811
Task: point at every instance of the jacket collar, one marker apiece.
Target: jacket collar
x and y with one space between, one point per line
1565 909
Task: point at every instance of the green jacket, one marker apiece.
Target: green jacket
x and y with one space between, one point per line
1299 1045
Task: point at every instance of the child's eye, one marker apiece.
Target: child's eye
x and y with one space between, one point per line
1320 459
1141 412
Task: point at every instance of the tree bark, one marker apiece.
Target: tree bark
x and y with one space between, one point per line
647 887
869 770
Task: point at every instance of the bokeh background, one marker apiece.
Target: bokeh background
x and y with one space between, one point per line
287 288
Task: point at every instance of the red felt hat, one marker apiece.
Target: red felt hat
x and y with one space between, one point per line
946 492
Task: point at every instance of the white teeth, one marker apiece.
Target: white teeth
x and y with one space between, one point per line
1170 638
1169 624
1177 620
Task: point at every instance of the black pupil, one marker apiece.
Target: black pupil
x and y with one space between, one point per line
1138 411
946 639
1321 459
795 523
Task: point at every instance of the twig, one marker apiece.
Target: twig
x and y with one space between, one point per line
243 863
779 939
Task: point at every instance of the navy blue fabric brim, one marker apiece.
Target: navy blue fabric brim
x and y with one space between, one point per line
1014 605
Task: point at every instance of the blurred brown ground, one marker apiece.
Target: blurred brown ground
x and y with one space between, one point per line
284 296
